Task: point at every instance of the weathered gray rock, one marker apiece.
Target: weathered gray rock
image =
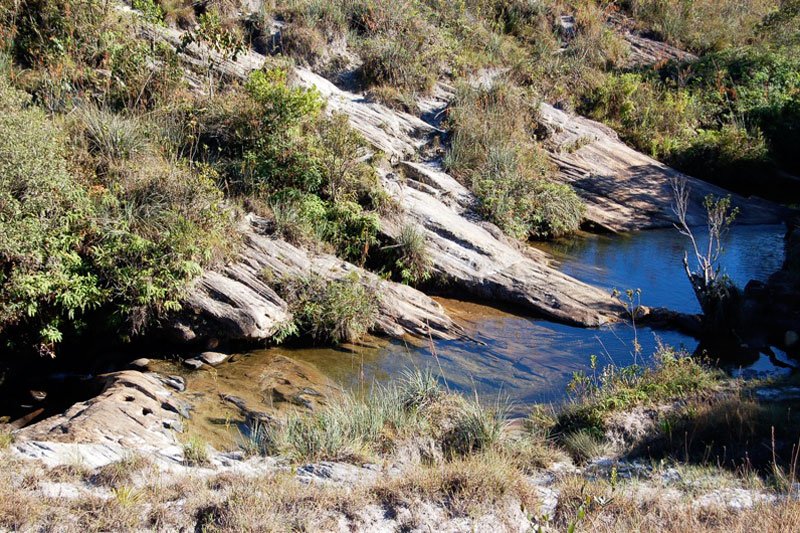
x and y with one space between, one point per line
140 364
479 260
399 135
175 382
193 363
644 51
624 189
466 253
135 410
237 302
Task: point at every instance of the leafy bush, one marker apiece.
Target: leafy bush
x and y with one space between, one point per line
725 118
336 311
282 155
351 231
129 243
44 215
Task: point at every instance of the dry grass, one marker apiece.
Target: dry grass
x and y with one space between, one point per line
119 473
597 506
6 439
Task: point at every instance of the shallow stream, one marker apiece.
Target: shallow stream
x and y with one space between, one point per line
518 358
512 357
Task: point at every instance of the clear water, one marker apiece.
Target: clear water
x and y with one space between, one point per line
529 360
653 261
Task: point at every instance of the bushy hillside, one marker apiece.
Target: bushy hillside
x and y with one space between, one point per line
124 177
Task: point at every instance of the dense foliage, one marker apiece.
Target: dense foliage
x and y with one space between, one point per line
76 240
121 178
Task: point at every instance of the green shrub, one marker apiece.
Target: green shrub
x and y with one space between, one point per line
128 241
44 215
347 176
335 311
300 218
724 118
282 155
494 151
351 231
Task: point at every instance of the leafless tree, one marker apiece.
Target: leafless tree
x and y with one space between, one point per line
719 216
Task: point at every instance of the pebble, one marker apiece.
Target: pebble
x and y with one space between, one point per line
140 364
193 363
213 358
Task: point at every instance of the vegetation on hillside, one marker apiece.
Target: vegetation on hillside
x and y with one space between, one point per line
154 167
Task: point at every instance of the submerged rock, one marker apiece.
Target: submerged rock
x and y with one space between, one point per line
297 383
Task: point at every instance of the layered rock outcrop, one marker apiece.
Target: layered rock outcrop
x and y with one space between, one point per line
236 302
627 190
134 411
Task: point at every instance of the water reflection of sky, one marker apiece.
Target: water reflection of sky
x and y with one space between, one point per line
531 360
652 261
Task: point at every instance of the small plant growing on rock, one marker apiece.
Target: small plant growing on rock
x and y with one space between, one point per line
413 260
195 451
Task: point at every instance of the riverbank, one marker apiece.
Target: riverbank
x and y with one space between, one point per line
635 449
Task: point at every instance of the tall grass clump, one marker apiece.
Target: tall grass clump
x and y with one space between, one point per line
476 427
414 409
350 428
412 258
494 151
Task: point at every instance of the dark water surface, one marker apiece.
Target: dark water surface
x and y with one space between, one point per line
531 360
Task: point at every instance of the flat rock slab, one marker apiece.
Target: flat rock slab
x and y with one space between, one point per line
135 411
